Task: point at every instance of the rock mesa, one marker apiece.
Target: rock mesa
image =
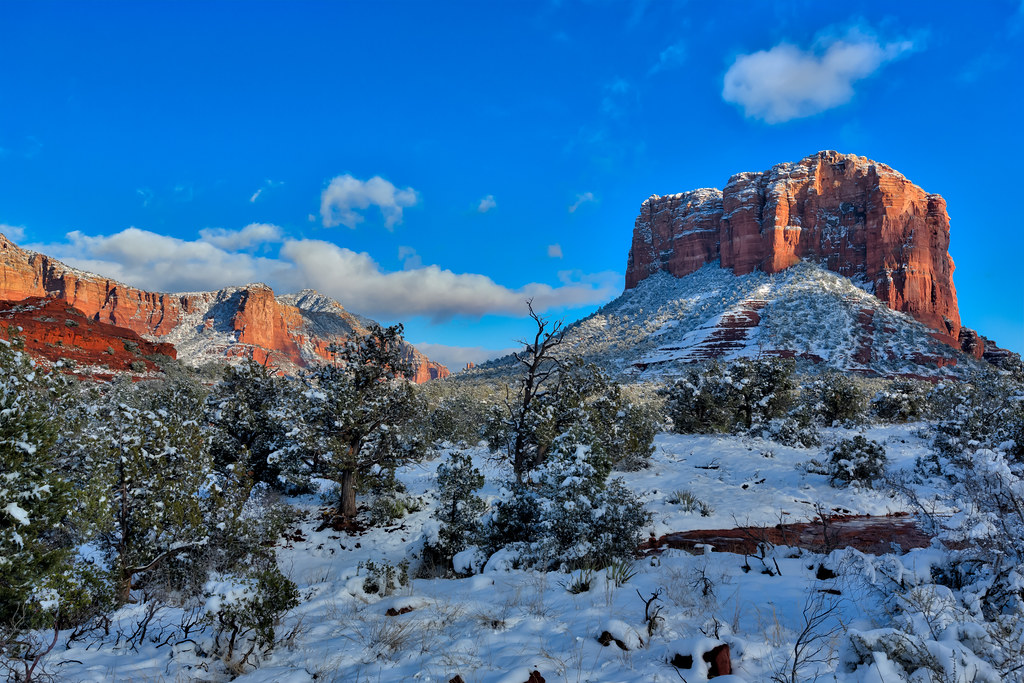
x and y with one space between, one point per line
857 217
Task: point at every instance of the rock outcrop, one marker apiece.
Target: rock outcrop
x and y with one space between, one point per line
289 332
857 217
55 331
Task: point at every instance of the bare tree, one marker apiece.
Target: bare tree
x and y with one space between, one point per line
540 366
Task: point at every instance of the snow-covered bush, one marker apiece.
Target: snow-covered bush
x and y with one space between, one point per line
698 402
796 429
835 398
962 617
392 504
720 398
571 516
903 400
458 511
384 578
856 461
245 612
985 413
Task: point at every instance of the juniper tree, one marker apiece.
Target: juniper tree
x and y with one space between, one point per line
147 461
458 509
572 513
717 397
834 398
35 499
247 410
357 413
699 402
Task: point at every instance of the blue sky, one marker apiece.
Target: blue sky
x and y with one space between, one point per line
437 163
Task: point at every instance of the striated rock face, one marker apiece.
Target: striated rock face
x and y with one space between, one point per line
56 331
857 217
289 332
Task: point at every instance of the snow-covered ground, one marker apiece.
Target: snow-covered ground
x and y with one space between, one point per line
499 626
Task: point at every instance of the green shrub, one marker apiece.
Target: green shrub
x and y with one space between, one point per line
856 461
245 613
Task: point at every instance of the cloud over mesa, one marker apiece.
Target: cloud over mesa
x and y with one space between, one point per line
787 82
158 262
250 236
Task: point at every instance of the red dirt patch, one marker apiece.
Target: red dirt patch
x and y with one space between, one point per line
869 534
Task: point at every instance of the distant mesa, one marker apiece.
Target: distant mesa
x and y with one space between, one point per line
855 217
288 332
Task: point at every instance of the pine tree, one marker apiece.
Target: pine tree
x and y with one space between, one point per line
248 410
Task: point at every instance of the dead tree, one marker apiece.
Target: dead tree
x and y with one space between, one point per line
540 366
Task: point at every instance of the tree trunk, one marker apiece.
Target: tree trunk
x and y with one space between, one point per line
123 586
347 501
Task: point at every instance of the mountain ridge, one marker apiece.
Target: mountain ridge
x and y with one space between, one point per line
231 323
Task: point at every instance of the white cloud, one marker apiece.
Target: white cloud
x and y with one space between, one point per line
555 250
786 82
15 233
456 357
581 199
410 258
345 194
486 204
251 235
669 58
267 184
357 281
168 264
157 262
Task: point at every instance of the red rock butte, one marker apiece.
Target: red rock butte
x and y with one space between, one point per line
855 216
288 332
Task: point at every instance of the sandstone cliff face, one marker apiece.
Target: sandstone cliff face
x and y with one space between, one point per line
289 332
857 217
56 331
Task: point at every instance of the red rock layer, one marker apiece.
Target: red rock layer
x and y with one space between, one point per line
858 217
53 330
267 330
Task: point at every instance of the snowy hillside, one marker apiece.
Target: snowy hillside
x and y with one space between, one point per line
822 319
